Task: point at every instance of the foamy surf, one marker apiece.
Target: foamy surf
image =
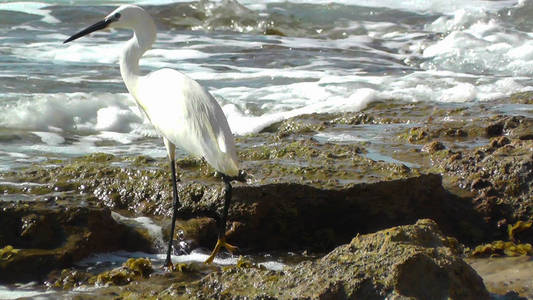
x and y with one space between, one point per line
119 257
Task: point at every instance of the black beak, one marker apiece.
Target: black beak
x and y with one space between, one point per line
97 26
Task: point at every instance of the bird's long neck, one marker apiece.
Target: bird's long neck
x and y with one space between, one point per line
142 40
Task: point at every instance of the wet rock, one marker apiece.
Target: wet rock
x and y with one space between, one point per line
495 129
499 142
429 133
522 98
326 195
515 127
143 186
45 237
500 174
298 126
355 119
133 270
68 279
416 135
406 261
196 232
479 184
433 147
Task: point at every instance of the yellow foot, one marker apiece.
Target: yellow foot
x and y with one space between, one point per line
220 243
168 266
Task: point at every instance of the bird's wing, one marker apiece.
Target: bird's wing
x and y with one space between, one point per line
188 116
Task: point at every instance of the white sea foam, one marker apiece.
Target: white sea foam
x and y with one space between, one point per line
117 119
69 111
243 124
106 53
153 229
342 137
50 138
436 6
34 8
462 92
119 257
478 43
16 293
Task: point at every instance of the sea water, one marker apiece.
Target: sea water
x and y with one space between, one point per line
66 100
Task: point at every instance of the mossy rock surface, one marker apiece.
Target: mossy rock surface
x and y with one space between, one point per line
132 270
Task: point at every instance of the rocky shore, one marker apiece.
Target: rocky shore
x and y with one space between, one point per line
399 200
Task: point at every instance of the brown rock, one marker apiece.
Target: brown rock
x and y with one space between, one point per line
433 147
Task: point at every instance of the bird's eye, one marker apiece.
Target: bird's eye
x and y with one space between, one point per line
116 16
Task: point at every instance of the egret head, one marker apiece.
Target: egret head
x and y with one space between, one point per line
126 16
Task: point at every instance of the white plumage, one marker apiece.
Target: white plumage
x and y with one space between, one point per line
188 116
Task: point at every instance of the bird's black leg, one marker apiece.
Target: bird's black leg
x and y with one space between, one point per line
221 242
227 202
168 261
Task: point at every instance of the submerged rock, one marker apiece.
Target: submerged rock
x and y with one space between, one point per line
405 261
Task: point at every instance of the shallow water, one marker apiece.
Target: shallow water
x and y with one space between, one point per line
106 261
501 274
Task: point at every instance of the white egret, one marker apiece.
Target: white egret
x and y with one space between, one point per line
181 110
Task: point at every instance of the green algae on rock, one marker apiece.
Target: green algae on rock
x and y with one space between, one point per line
7 252
133 269
501 248
298 126
509 248
68 279
518 227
